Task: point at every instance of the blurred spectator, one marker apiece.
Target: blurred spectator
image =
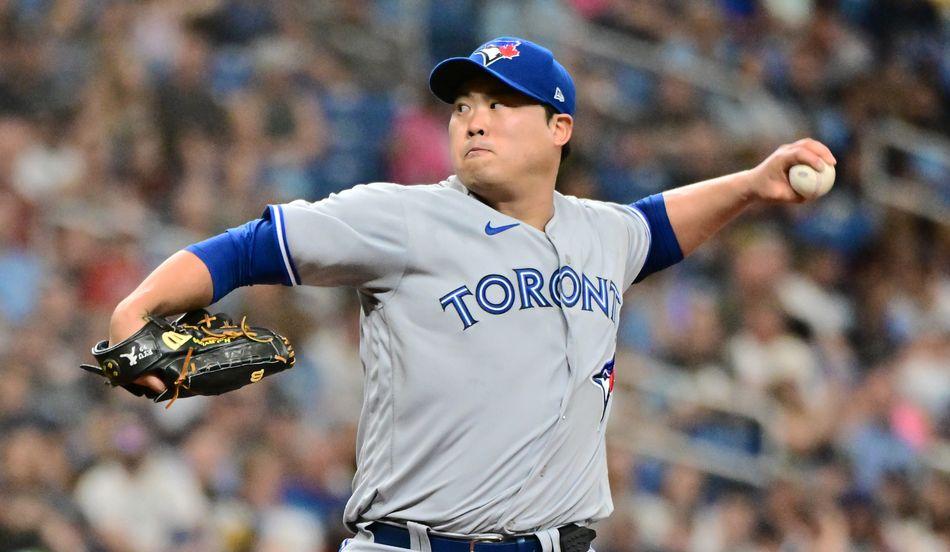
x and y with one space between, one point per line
48 167
184 105
140 496
261 520
874 437
419 144
21 268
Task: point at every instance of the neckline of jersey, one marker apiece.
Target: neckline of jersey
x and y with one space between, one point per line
455 182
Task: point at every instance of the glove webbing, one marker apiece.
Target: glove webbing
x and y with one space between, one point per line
229 330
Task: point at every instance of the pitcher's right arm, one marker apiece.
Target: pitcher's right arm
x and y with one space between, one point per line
202 274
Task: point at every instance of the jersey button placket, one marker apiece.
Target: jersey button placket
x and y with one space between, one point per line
563 260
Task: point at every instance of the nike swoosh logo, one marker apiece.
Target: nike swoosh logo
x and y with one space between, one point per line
492 230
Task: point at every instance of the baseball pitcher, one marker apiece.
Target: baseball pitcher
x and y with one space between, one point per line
490 307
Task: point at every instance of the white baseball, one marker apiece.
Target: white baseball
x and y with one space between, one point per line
809 183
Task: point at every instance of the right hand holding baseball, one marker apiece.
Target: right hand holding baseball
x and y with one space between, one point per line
770 180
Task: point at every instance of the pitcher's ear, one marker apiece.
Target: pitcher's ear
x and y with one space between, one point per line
562 125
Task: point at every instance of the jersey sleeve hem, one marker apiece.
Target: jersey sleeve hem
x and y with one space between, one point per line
646 223
664 250
280 228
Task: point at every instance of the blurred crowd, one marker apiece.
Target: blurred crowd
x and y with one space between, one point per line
129 129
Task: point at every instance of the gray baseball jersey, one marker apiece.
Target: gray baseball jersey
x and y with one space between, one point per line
487 348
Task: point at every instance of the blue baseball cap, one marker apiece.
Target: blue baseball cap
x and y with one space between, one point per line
521 64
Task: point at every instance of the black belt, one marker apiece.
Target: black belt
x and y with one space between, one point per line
573 538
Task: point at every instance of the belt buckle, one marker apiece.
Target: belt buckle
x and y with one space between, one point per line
483 538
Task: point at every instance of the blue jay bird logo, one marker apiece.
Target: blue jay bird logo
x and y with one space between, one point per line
495 51
605 380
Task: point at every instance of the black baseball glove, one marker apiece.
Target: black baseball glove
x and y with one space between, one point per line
197 354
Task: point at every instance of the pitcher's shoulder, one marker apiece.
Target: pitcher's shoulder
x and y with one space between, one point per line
593 207
448 186
448 190
383 191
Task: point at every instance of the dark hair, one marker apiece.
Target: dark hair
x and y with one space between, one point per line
550 112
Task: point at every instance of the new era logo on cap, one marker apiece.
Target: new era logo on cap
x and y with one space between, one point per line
521 64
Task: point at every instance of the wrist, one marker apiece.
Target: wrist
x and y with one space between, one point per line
127 317
746 188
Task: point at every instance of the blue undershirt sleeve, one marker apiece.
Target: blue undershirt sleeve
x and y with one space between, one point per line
664 248
242 256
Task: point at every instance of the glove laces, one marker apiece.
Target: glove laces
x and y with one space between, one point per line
187 368
227 330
